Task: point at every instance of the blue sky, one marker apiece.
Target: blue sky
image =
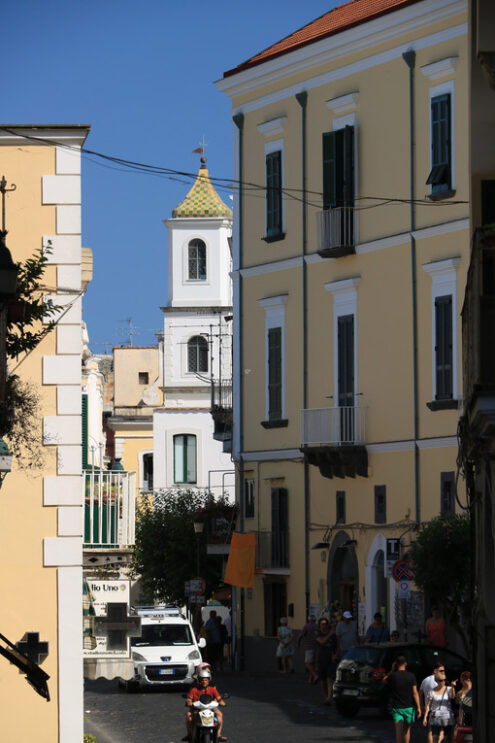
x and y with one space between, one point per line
141 74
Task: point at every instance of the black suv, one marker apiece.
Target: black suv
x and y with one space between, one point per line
360 674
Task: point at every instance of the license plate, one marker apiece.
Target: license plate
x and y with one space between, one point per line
350 692
166 671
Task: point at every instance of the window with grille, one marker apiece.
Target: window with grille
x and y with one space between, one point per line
380 504
274 194
447 494
197 260
440 178
197 354
185 459
443 348
274 374
340 507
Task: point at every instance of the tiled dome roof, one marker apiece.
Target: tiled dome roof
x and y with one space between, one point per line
202 200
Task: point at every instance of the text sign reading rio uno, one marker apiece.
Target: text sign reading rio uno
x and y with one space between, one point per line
102 593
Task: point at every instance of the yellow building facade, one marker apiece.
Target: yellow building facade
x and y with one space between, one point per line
41 506
349 275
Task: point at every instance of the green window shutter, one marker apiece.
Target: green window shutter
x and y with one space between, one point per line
274 193
441 154
443 348
84 424
338 168
274 374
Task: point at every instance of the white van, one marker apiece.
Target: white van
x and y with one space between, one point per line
166 653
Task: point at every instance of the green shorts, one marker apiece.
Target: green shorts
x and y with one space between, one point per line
404 714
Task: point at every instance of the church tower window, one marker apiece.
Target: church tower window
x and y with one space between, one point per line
197 260
197 354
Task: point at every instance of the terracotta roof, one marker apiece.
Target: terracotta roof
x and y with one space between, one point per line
339 19
202 200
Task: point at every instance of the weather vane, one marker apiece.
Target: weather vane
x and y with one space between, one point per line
201 149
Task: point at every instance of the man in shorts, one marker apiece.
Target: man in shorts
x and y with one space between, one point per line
404 697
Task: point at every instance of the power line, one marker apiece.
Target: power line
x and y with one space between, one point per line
229 184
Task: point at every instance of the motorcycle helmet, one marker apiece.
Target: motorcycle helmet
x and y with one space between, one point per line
204 674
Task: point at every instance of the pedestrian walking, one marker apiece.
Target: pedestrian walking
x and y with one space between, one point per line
327 656
308 638
213 639
347 634
427 685
464 698
285 647
436 629
228 626
438 712
404 698
378 630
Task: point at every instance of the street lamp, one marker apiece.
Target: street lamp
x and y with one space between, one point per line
198 530
8 269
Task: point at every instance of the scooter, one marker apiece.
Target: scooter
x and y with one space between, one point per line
205 720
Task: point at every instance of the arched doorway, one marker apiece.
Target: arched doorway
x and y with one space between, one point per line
343 573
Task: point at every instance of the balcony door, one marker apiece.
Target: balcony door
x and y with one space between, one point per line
345 383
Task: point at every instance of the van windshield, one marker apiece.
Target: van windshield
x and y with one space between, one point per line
163 634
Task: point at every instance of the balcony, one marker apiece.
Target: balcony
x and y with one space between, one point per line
333 439
221 411
272 551
109 509
335 232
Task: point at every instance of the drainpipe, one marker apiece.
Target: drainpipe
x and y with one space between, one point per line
302 99
409 58
238 120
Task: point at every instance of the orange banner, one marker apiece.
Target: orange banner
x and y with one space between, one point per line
241 562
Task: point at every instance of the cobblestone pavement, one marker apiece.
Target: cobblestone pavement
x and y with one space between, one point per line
262 707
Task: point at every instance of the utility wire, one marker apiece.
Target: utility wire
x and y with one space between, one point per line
225 184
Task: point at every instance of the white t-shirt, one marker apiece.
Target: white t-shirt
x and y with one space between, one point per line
440 708
427 685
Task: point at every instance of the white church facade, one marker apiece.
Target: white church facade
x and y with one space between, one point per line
196 349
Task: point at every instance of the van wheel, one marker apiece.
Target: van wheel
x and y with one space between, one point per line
346 709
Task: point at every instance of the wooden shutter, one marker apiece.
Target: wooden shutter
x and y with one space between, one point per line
380 504
345 351
447 495
274 374
440 176
274 193
280 527
338 168
443 348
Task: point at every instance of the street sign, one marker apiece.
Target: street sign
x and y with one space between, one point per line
197 586
402 570
197 599
404 589
393 553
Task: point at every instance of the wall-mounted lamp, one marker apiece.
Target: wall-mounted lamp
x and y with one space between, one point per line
321 546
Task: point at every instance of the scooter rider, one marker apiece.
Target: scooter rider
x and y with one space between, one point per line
204 687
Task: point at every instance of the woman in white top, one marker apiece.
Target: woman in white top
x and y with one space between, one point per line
439 707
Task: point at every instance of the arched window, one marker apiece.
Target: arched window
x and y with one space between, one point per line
196 260
184 458
197 354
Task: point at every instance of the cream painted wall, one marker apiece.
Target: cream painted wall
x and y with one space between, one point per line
366 60
128 362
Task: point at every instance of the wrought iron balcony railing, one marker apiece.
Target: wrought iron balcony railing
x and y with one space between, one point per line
335 232
109 508
272 549
337 426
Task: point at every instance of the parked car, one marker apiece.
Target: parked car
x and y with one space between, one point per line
360 674
166 653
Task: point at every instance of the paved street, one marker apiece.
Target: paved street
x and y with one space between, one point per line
261 707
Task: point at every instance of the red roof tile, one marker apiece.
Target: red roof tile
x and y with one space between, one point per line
339 19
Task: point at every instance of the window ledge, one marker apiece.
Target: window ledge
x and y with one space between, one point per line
274 238
280 423
441 195
443 405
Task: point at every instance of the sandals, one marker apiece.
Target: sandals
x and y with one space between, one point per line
222 738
